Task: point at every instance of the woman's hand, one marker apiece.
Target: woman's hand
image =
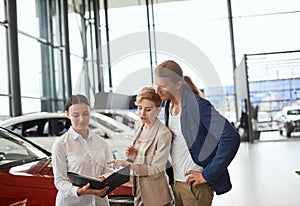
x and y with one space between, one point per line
118 163
101 178
131 152
87 190
195 178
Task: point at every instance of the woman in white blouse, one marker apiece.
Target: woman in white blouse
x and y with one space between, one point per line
79 151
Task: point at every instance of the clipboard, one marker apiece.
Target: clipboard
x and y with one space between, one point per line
113 181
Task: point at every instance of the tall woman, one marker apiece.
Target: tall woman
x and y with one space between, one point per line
206 140
149 153
79 151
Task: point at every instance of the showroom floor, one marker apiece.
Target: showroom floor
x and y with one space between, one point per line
263 174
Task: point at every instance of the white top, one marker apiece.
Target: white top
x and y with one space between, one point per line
72 153
181 158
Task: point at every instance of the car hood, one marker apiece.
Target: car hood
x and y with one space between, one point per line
36 174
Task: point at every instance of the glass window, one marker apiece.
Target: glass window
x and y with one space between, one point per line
2 14
30 74
16 150
31 128
75 37
125 20
79 38
259 16
58 126
295 84
199 24
294 112
107 125
127 25
30 105
10 151
30 67
4 108
16 128
55 18
28 17
3 62
58 70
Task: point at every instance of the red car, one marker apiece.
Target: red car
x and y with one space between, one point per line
26 175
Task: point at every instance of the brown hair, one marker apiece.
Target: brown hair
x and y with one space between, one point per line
76 99
173 71
149 94
169 69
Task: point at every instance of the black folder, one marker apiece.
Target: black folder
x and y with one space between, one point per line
113 181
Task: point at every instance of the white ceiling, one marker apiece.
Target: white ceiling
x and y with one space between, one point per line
117 3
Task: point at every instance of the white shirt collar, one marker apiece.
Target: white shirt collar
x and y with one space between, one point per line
75 135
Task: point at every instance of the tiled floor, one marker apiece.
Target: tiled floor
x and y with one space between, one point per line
263 174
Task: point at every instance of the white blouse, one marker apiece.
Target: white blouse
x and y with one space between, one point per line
180 155
72 153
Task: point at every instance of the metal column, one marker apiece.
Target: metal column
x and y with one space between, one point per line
84 49
232 52
149 40
153 32
66 44
98 46
108 44
13 57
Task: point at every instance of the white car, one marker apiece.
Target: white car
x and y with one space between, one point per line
43 127
127 117
118 134
289 120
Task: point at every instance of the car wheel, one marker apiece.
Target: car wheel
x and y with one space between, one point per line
288 133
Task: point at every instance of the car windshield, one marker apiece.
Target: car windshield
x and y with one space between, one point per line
294 112
16 151
107 124
127 118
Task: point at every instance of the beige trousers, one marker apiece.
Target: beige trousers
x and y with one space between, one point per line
186 195
138 198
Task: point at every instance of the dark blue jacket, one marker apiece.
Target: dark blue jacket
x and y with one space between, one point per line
212 140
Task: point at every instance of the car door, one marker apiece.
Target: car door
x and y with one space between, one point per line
35 130
53 128
42 131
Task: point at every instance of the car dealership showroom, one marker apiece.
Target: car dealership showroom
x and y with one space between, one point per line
242 56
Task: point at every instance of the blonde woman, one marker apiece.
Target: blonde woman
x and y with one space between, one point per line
149 153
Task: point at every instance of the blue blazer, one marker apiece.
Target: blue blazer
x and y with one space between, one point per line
212 140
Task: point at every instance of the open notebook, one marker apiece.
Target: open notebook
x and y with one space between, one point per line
113 181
